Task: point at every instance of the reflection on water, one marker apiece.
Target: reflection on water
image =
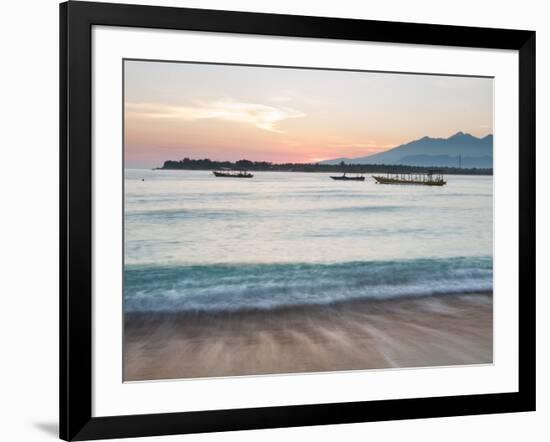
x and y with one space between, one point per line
192 217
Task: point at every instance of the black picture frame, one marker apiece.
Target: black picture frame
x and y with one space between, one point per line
76 21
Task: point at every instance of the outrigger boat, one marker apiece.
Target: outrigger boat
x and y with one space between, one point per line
348 178
429 178
229 173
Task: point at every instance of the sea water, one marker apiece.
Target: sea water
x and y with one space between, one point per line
200 243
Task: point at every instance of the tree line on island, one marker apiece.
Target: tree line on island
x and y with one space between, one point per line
265 166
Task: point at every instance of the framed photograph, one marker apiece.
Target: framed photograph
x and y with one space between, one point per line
274 220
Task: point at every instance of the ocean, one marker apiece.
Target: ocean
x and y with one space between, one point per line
194 242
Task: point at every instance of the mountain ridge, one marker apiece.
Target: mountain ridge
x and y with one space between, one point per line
460 148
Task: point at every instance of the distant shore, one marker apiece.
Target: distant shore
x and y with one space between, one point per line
262 166
415 332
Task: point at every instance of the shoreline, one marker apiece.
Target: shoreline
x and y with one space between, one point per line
366 172
351 335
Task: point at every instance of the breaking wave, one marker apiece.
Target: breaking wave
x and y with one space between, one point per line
222 287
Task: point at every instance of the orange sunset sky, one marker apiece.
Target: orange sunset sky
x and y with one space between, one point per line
222 112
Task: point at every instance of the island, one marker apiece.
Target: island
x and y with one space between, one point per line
264 166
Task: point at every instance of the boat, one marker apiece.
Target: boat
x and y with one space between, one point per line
229 173
429 178
348 178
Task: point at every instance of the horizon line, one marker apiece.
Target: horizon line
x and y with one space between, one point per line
460 132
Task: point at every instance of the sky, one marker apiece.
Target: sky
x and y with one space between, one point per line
224 112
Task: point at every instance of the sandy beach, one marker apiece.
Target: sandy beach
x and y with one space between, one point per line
357 335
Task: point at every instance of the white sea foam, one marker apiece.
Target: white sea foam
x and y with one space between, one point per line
263 286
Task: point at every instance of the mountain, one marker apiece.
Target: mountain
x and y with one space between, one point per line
427 151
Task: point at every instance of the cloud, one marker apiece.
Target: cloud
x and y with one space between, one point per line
259 115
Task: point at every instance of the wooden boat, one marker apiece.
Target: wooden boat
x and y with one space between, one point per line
429 178
348 178
228 173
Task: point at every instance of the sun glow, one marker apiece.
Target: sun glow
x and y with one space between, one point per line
178 110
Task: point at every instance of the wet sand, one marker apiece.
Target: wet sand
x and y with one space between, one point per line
432 331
